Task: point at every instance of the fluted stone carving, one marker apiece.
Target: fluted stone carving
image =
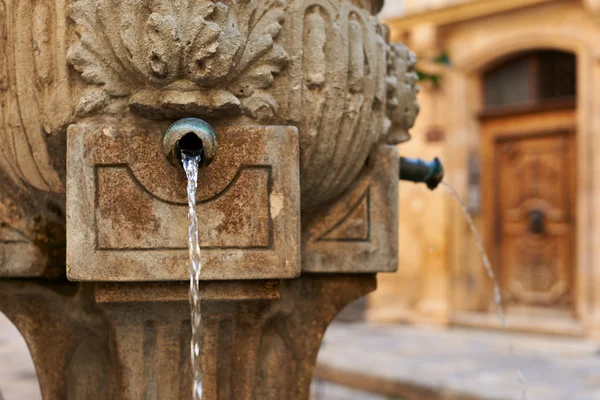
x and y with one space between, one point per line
34 93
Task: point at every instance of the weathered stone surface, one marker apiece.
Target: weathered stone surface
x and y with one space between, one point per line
260 340
402 105
35 108
343 83
127 220
295 327
359 231
151 330
32 231
67 337
182 59
35 97
338 78
339 85
300 93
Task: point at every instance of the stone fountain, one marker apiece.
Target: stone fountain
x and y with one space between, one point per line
297 211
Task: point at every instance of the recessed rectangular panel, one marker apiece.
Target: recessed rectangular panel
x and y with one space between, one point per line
358 233
127 205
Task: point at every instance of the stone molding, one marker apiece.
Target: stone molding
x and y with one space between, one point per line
462 11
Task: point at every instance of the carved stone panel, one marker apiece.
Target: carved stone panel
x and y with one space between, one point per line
178 59
151 331
35 100
127 217
338 93
358 232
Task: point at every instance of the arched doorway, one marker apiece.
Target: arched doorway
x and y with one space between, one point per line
528 129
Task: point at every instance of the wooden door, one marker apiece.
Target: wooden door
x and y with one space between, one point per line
534 175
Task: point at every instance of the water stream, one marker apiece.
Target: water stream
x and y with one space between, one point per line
490 272
486 261
190 164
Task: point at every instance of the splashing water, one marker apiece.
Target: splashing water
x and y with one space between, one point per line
490 273
190 164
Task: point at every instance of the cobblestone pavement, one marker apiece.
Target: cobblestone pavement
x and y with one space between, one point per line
458 363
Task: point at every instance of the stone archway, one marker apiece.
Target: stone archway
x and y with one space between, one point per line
18 379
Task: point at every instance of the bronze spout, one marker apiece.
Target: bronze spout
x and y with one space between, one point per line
416 170
192 136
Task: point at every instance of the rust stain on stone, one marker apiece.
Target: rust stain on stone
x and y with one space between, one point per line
125 206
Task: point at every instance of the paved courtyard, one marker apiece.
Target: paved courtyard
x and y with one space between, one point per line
322 390
418 363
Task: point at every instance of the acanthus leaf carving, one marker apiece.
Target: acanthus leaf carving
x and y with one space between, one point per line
178 59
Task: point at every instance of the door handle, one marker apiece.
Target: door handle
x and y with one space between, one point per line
536 221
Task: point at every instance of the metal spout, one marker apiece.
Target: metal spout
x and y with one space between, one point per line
192 136
416 170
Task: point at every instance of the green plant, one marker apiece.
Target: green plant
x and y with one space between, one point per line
435 79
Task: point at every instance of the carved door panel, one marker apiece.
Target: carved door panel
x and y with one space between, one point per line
534 219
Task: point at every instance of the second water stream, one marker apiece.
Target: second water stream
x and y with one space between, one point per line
490 272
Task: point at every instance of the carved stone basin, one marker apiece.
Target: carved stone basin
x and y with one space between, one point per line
322 66
297 212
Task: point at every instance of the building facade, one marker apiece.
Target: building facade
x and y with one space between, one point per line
510 102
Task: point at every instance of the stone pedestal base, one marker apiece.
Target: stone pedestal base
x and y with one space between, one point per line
131 341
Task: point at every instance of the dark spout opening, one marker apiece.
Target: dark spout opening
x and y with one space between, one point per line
190 144
416 170
193 137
